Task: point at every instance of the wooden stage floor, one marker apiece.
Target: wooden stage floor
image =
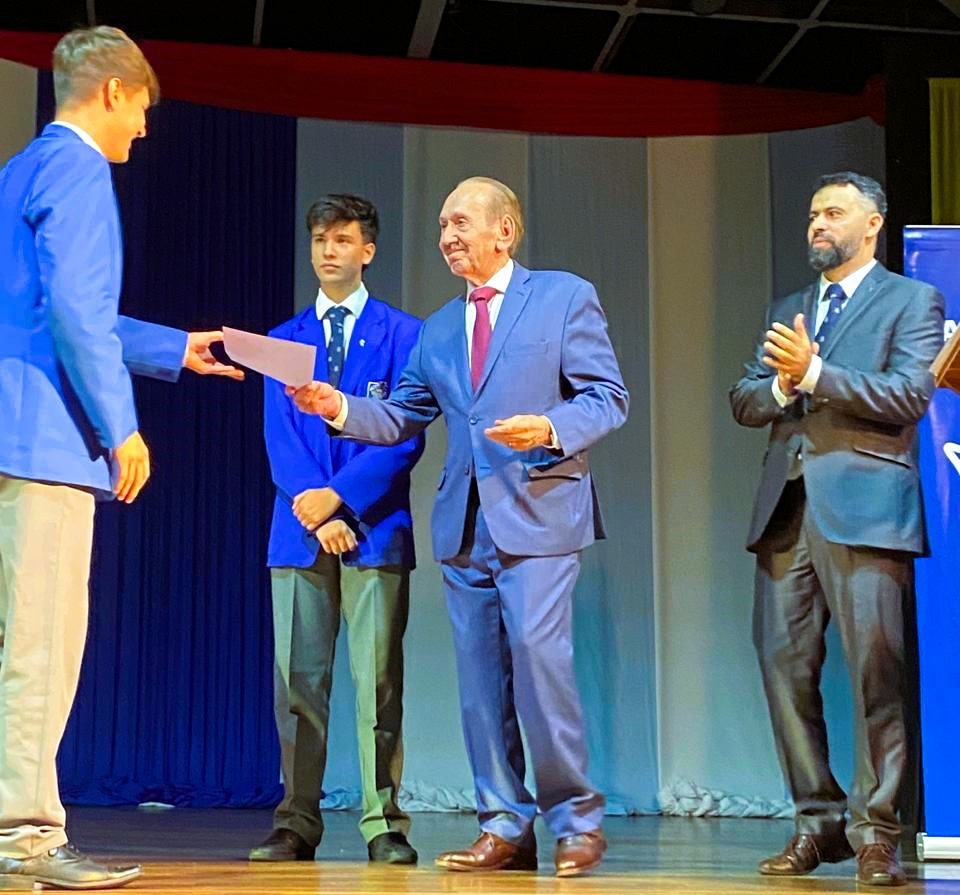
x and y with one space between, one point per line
204 851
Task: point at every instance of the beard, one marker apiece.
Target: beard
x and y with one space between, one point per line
832 256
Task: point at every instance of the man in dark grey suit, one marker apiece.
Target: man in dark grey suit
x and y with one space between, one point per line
838 520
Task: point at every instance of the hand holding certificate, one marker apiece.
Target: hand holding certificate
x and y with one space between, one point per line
288 362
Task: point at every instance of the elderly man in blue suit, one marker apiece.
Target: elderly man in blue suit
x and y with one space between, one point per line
341 543
68 426
515 507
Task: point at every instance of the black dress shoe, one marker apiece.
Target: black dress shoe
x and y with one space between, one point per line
391 848
66 868
805 853
877 865
283 845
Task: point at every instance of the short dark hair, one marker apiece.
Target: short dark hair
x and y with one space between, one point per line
867 186
342 208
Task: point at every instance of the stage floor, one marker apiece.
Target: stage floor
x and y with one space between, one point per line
204 851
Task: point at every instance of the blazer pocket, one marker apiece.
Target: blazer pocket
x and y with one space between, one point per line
882 450
573 467
526 348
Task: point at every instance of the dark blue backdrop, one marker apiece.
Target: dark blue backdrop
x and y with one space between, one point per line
175 699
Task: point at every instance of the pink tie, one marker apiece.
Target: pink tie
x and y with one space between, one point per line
481 332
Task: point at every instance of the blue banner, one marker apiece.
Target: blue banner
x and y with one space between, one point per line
932 254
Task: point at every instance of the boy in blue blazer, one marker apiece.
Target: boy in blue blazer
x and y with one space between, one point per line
68 425
341 543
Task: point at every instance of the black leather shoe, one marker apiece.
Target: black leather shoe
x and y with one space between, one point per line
805 853
66 868
283 845
391 848
877 865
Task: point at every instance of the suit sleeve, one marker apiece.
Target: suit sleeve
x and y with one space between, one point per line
71 209
405 414
371 474
150 349
293 466
598 399
751 397
901 392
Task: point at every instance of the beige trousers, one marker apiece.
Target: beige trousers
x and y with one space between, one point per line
46 534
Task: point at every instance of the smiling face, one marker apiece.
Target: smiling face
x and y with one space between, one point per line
842 229
474 240
126 120
339 253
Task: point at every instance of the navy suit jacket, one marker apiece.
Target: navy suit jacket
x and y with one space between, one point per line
66 399
549 354
374 482
858 430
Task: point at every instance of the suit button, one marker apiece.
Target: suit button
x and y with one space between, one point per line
466 470
474 420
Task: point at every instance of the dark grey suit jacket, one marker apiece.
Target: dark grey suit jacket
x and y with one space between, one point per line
857 431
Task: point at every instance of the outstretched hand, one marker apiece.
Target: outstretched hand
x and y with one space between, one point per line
201 360
319 398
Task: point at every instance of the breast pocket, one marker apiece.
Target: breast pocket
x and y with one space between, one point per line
526 348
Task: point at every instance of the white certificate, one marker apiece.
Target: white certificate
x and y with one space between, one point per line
289 362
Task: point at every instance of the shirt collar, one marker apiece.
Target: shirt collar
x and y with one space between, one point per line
81 133
851 281
499 281
354 302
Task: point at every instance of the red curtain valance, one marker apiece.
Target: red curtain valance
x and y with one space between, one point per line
453 94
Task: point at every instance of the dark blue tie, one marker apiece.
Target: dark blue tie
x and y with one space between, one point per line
837 298
336 316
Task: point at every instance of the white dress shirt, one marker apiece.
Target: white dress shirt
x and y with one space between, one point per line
499 281
849 284
354 303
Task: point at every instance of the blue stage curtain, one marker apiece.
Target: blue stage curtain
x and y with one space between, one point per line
175 699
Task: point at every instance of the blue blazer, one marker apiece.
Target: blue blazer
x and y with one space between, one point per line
550 354
374 482
66 399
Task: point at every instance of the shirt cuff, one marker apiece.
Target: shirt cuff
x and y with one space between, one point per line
341 418
778 395
554 443
812 376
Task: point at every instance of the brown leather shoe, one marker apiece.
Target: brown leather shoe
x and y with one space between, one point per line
580 853
877 865
490 852
804 853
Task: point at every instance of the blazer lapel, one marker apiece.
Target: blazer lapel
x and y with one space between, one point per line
310 330
856 306
514 301
368 334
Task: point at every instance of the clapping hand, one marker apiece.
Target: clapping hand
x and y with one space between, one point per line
789 351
